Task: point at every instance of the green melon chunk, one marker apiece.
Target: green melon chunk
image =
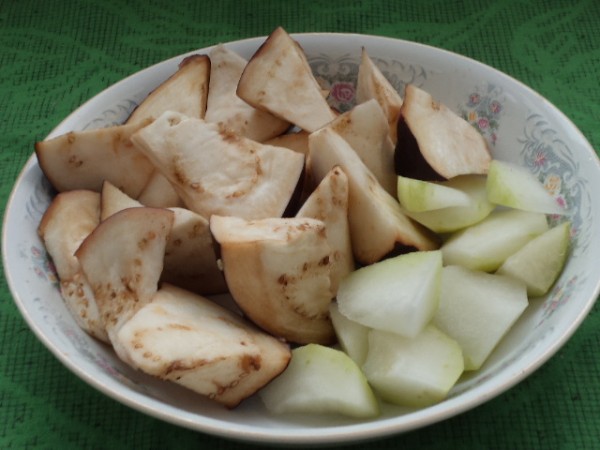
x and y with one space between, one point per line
321 380
539 263
413 372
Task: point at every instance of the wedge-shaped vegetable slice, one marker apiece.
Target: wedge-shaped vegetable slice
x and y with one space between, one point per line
69 219
397 294
377 224
539 262
365 128
190 261
297 141
84 159
352 337
218 172
454 218
477 309
122 260
113 200
372 84
329 203
226 108
418 195
413 372
278 272
186 91
278 79
487 244
158 193
188 339
436 143
511 185
321 380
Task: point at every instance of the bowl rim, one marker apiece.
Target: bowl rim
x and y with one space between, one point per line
355 432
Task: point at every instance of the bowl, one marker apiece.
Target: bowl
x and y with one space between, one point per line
520 126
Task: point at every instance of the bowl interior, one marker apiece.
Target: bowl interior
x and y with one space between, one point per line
520 126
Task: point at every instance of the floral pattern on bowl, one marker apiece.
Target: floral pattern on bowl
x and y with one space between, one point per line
339 75
484 110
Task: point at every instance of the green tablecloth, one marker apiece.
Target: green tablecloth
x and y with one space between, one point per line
56 54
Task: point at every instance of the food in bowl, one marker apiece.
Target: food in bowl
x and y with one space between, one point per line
528 344
284 272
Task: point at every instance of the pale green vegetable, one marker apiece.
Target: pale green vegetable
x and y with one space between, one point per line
398 294
513 186
321 380
418 195
539 263
456 217
413 372
352 336
486 245
477 309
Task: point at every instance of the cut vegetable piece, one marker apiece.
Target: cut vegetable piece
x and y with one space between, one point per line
218 172
352 336
513 186
365 128
226 108
418 196
321 380
278 272
84 159
122 260
187 339
398 294
113 200
378 227
372 84
539 262
190 261
454 218
185 91
294 141
413 372
434 142
486 245
158 193
329 203
69 219
278 79
477 309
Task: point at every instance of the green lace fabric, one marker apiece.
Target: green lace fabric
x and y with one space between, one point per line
54 55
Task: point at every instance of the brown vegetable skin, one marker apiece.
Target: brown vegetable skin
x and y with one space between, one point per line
408 159
435 143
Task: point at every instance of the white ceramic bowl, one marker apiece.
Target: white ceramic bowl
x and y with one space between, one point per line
520 125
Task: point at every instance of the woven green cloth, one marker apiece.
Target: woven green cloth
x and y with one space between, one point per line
54 55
